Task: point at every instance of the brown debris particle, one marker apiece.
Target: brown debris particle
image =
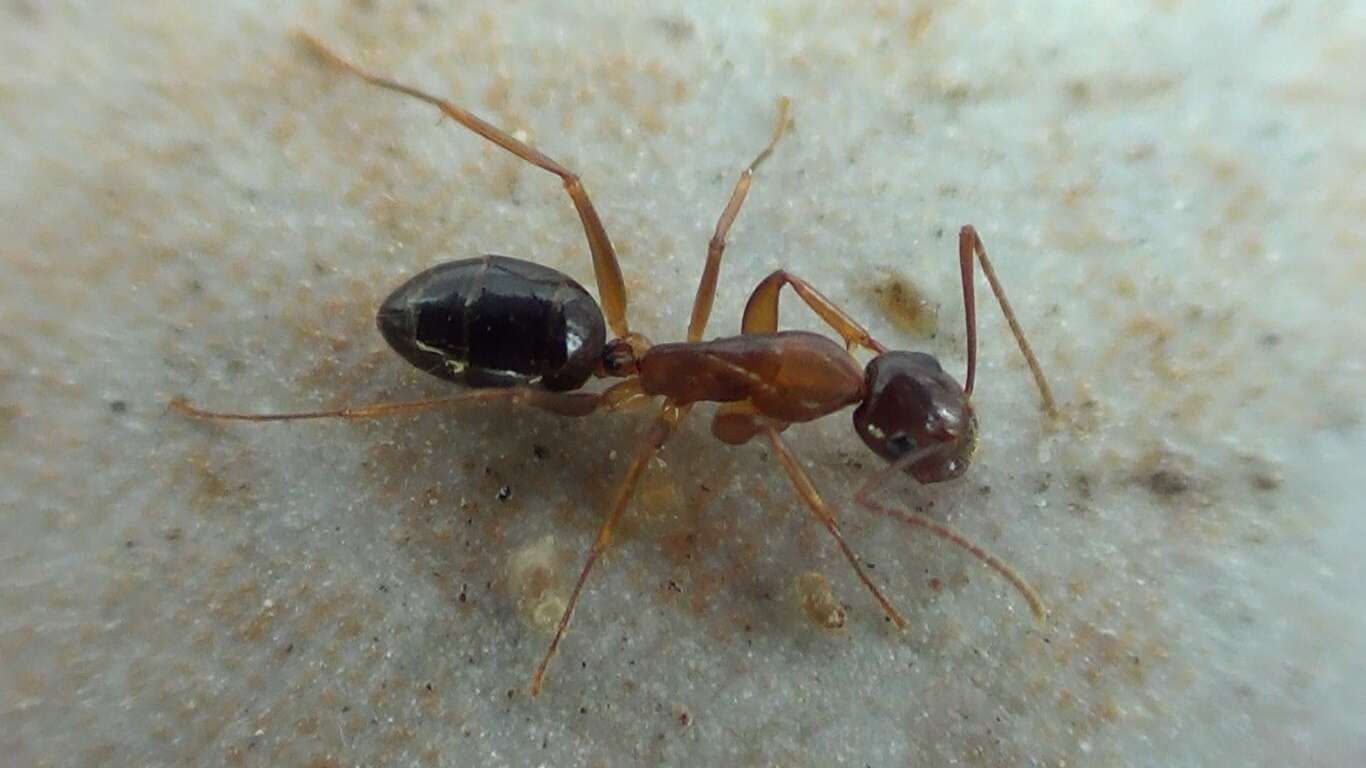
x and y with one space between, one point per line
531 576
819 601
905 305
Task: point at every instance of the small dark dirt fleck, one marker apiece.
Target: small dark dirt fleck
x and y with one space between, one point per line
540 452
118 406
505 493
677 30
1169 482
684 718
1082 483
1266 481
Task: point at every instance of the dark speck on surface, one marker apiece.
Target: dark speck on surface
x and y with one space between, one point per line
1169 482
1266 481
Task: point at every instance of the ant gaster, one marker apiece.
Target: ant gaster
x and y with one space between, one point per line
524 333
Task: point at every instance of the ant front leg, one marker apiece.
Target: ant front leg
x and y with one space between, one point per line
761 311
812 498
968 245
611 287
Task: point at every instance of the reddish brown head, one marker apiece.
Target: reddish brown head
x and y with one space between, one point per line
910 404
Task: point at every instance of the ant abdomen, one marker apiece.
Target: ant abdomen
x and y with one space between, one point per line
495 320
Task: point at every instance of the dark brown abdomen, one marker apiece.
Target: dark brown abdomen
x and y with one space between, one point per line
496 320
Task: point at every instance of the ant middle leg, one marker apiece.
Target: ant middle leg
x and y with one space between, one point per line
659 432
621 395
761 311
611 287
706 289
969 244
822 512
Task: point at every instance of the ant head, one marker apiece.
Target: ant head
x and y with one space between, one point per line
909 404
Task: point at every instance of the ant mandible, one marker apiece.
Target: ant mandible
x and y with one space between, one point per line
524 333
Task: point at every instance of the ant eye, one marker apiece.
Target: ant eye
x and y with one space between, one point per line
901 444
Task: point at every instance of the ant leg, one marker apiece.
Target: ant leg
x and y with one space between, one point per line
611 287
968 244
823 513
563 403
659 432
943 531
761 311
706 290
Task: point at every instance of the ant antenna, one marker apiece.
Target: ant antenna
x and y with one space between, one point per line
946 532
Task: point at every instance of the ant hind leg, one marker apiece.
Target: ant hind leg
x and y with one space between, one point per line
655 437
563 403
611 286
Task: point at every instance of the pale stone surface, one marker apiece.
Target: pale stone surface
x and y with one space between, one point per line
190 204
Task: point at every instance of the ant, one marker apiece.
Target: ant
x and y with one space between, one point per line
524 333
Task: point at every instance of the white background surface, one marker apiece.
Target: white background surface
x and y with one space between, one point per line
190 204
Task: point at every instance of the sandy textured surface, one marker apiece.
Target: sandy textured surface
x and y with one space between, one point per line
191 204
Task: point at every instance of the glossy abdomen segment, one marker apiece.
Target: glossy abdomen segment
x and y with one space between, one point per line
496 320
789 376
